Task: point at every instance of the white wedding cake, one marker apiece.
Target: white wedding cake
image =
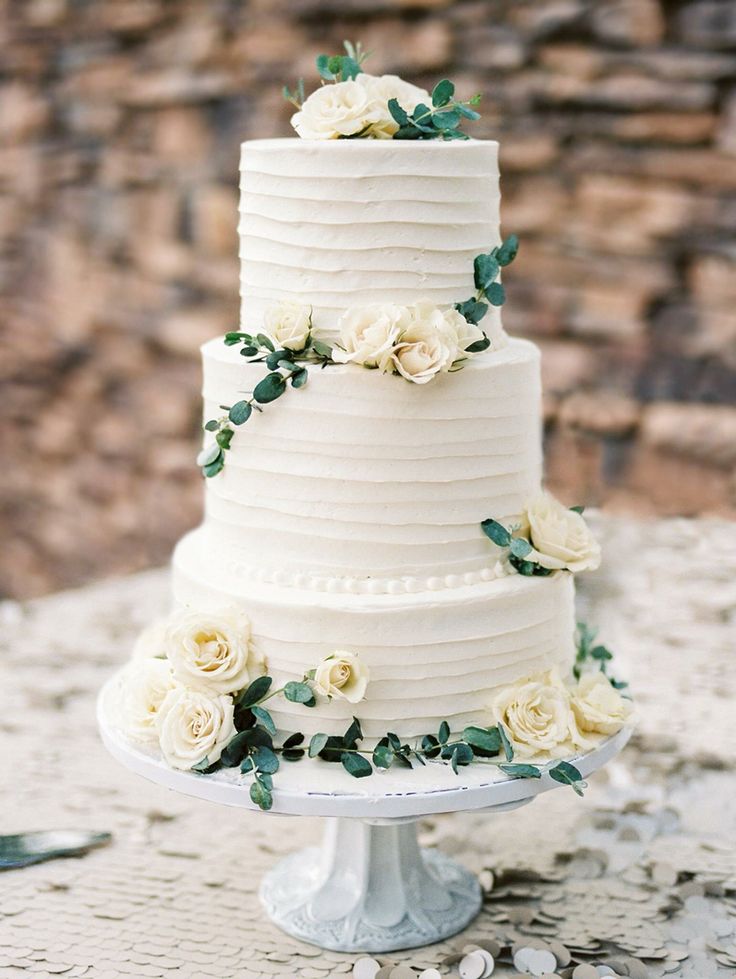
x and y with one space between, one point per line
376 543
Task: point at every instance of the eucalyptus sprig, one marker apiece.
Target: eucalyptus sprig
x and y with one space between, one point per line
331 68
486 269
591 653
519 547
441 120
254 751
285 367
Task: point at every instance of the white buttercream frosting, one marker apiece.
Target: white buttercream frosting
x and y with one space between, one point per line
356 222
431 656
366 482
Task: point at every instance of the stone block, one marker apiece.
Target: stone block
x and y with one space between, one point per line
536 204
701 432
600 413
699 167
609 311
630 22
214 216
615 214
23 111
527 151
628 90
708 23
727 127
181 137
566 365
665 127
712 279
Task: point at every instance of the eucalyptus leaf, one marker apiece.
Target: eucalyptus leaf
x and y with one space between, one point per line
224 438
317 744
240 412
256 691
443 733
212 425
473 310
478 346
266 760
442 93
520 547
398 114
485 270
298 693
209 454
293 740
299 378
578 509
261 795
265 341
508 749
264 719
447 119
485 739
356 765
236 749
521 771
214 467
269 389
567 774
383 756
23 849
496 532
495 294
507 252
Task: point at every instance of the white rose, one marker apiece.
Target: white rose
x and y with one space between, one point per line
382 88
342 675
560 537
151 641
537 716
211 650
368 335
289 325
342 109
193 725
598 706
145 684
465 334
427 347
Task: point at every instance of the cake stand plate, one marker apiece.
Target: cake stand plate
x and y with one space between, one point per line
370 887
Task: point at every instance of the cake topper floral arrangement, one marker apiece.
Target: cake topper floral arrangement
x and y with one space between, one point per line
351 104
197 690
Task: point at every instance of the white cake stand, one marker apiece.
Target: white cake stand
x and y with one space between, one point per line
369 888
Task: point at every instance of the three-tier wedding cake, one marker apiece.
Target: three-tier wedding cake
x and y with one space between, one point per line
376 542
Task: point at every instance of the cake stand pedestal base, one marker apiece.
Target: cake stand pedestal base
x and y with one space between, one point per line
370 889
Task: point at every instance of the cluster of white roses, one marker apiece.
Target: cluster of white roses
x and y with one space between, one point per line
178 691
543 716
358 106
417 341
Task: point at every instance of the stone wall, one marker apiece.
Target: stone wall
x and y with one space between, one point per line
119 129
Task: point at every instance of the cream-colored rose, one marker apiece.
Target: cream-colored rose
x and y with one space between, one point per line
382 88
464 334
145 684
193 725
427 347
537 716
560 537
211 650
335 110
288 325
342 675
598 707
368 335
151 641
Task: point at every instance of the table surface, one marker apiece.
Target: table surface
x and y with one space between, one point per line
644 861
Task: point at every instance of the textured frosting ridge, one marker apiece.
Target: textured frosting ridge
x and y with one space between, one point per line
343 223
431 656
364 482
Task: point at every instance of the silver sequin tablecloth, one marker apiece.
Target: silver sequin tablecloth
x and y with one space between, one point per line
645 863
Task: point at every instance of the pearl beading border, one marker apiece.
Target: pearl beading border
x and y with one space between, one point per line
332 585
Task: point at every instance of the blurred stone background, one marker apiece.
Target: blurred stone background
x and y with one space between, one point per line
119 131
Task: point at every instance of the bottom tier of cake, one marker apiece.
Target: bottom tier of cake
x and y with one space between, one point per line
431 656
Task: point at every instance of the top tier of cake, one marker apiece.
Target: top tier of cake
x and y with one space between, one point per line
341 223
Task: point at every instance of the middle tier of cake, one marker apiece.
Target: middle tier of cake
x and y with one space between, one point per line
365 482
432 656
